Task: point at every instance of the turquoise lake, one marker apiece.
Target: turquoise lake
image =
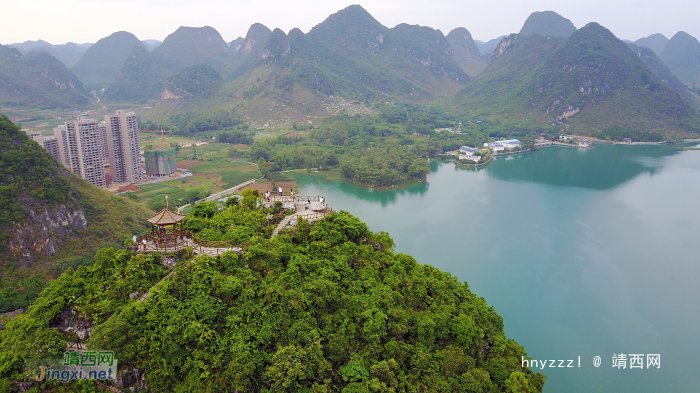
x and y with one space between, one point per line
583 253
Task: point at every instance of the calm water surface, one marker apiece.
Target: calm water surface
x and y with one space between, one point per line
583 252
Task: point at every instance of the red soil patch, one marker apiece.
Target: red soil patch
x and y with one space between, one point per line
130 187
188 164
206 175
267 186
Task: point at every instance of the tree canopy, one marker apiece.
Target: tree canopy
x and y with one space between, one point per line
327 306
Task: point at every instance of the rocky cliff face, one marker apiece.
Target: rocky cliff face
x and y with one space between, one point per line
44 230
505 46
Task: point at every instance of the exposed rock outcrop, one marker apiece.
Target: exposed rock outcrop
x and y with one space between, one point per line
44 230
75 323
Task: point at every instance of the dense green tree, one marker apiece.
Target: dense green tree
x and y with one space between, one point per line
323 307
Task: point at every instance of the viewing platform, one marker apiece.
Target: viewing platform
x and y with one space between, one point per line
315 203
310 208
167 235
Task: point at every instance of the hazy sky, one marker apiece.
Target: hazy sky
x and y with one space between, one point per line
61 21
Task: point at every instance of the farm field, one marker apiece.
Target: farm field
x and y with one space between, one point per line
214 170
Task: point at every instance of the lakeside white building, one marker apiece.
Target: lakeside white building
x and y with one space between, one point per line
469 157
508 144
584 143
468 151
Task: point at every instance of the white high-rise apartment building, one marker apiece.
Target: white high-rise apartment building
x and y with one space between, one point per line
79 144
49 143
123 147
102 129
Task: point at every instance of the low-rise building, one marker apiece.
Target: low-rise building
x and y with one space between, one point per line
469 157
510 143
507 144
468 151
496 147
584 143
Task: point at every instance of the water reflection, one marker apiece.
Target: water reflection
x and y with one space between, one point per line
384 197
595 169
578 260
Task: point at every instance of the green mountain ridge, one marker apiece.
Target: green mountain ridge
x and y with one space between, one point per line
143 74
189 46
38 80
68 54
248 53
140 79
662 72
465 51
682 56
101 63
49 218
590 81
236 44
656 42
196 81
350 56
547 23
486 48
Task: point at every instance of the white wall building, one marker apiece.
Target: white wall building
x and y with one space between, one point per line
469 157
508 144
124 147
79 145
468 151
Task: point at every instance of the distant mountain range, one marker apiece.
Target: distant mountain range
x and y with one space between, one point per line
682 56
101 63
38 79
350 61
68 54
465 52
486 48
248 51
589 81
656 42
547 23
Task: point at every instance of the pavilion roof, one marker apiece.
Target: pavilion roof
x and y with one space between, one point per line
166 217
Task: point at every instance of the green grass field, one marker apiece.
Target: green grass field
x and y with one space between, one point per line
213 171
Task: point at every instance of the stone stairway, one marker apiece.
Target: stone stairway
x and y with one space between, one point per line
288 219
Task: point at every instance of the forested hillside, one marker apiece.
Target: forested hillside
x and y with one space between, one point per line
682 56
349 57
327 306
38 79
588 82
101 63
49 218
547 23
465 51
140 78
